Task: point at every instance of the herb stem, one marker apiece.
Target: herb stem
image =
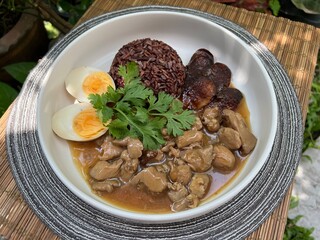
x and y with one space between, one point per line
129 120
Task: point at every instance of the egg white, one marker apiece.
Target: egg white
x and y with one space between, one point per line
62 123
75 80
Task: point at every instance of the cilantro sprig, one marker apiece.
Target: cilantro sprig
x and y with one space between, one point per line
135 111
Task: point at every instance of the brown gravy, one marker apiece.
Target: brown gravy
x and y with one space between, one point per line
85 154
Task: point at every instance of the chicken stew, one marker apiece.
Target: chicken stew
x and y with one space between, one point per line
187 169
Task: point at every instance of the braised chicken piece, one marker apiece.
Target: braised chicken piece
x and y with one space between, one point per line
128 169
193 200
211 118
105 169
188 137
181 174
199 184
162 168
193 146
235 120
177 191
174 152
180 205
197 124
199 159
190 201
155 181
224 159
105 186
229 138
134 147
168 146
149 156
125 155
121 142
110 150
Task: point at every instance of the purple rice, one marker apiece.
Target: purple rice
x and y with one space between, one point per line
160 66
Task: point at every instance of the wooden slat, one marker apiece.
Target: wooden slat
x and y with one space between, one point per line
294 44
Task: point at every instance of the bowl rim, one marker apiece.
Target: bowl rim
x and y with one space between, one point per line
166 217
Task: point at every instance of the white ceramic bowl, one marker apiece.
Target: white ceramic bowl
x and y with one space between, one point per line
185 33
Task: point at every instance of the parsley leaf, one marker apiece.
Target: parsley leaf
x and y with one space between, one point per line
136 112
118 128
161 104
177 118
99 102
129 72
137 94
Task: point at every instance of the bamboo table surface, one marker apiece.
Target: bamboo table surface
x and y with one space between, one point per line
294 44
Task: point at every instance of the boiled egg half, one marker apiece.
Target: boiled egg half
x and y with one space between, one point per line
82 81
78 122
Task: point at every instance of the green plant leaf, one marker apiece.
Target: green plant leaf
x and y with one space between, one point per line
308 6
295 232
20 71
292 230
275 7
294 202
129 72
73 11
312 125
52 31
161 104
7 95
307 157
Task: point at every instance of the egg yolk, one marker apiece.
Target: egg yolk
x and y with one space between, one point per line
87 124
97 83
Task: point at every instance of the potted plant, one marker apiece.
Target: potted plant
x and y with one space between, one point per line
23 36
22 33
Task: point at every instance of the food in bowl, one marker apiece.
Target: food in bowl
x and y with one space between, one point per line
82 81
160 66
78 122
165 152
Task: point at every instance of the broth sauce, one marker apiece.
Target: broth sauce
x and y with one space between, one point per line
85 155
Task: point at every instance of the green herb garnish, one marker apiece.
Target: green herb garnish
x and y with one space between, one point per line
135 111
